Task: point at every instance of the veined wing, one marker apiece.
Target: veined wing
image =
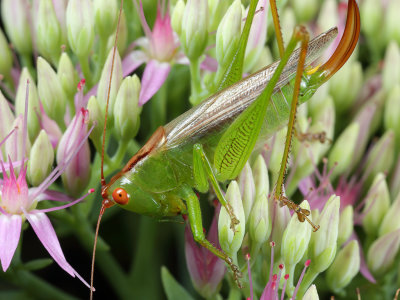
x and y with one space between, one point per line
225 105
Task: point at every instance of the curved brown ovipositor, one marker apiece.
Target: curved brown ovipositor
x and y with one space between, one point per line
347 43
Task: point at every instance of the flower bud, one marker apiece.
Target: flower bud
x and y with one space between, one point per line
322 248
391 67
311 293
41 159
177 15
381 157
6 120
345 266
391 23
280 217
345 87
14 14
328 16
33 102
343 150
391 221
194 34
278 146
288 22
77 174
105 17
377 203
49 36
392 112
305 10
216 11
14 144
6 59
96 118
80 26
257 37
122 35
260 222
247 189
231 241
295 242
372 11
67 75
346 224
126 109
51 92
260 175
382 253
60 7
50 126
228 34
102 90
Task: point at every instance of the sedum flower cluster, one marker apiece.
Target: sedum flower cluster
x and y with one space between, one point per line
55 66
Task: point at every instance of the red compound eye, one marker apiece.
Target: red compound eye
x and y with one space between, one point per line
120 196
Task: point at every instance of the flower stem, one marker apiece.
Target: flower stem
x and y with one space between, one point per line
195 81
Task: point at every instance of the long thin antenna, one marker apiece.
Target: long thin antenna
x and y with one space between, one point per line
105 203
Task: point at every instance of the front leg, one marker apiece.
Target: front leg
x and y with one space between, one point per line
196 226
203 172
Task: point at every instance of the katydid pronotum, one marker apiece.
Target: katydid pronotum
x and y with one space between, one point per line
212 141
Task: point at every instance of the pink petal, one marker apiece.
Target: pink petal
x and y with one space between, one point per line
132 61
47 236
153 78
10 230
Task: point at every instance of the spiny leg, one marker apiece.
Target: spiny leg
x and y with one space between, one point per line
196 226
277 26
202 171
300 35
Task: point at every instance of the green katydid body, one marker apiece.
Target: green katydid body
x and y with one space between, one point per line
156 176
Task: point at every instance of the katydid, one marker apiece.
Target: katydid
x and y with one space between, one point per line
212 141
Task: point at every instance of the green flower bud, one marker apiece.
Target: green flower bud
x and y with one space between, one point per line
14 14
6 120
391 21
372 11
105 17
80 24
122 35
33 102
328 16
382 253
391 67
228 34
16 153
67 75
6 59
278 146
102 90
260 175
392 112
381 157
377 203
322 248
126 109
311 293
49 35
177 15
391 221
248 189
295 243
305 10
346 224
345 266
41 159
194 34
96 117
51 92
260 222
343 150
216 10
231 241
280 217
346 85
288 22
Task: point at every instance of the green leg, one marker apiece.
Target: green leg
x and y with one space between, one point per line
196 225
202 171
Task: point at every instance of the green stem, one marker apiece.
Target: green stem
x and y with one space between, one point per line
101 58
36 287
119 154
306 282
195 81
